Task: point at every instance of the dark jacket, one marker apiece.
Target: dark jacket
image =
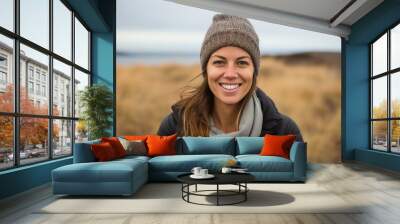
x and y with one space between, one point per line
274 122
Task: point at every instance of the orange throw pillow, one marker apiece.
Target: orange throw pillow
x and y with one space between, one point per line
161 145
103 151
277 145
116 145
135 137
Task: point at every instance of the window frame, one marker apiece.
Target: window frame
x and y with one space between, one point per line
16 115
388 74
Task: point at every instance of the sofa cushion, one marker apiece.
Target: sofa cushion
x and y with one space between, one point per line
161 145
131 158
277 145
257 163
112 171
116 145
206 145
249 145
135 137
185 163
103 151
134 147
83 152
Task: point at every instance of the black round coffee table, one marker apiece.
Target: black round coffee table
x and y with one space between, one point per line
238 179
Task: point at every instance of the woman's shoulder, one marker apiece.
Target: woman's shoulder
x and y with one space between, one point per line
274 121
267 105
169 124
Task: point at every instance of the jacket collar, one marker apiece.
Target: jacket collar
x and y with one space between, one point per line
271 115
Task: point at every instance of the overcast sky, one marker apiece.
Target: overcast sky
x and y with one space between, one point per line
162 26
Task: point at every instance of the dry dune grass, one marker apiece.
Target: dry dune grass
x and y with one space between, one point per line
305 87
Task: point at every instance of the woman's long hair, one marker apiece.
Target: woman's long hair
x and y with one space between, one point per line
196 105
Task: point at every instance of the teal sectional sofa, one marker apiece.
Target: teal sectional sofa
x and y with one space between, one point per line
125 176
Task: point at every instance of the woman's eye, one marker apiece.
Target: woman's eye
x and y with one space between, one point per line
243 63
218 62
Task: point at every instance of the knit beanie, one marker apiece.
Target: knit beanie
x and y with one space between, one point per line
227 30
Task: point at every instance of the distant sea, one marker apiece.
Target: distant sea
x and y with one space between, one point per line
157 58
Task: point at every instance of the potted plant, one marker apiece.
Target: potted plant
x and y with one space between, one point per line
96 102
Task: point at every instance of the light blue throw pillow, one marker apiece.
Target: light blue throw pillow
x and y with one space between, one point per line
249 145
207 145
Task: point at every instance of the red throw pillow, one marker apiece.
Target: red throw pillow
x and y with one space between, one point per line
103 151
116 145
161 145
277 145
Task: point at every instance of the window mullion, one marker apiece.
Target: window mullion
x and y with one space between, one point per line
389 105
50 81
370 98
16 84
73 82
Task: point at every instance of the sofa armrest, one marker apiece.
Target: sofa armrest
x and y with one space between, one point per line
83 152
298 155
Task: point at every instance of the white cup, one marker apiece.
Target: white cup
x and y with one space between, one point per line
203 172
226 170
196 170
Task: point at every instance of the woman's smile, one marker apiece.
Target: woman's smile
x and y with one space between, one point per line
230 87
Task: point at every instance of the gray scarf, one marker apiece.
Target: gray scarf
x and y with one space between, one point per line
250 121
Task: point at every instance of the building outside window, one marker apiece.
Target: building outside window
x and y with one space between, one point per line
44 78
30 87
30 72
3 61
55 99
37 75
3 71
3 78
38 89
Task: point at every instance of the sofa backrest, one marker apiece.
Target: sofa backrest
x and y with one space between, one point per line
206 145
190 146
249 145
83 152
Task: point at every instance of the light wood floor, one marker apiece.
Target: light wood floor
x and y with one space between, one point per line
378 188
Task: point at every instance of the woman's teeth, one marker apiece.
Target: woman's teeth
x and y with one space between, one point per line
230 86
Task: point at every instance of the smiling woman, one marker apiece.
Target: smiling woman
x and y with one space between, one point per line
228 102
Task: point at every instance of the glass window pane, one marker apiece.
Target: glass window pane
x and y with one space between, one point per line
34 16
81 45
33 139
34 97
379 135
7 14
62 89
395 47
81 81
395 94
6 142
379 97
395 136
379 55
81 131
6 74
62 138
62 29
